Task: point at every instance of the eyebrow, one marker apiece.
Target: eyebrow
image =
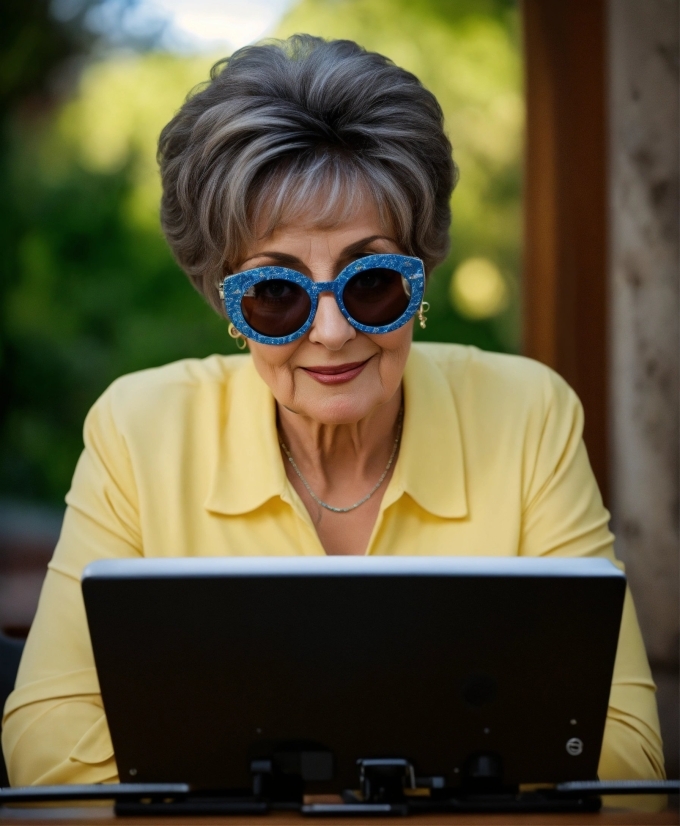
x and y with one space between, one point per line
350 250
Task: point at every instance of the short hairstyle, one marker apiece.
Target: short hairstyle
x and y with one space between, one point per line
283 122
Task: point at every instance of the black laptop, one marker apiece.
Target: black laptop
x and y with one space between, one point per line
212 667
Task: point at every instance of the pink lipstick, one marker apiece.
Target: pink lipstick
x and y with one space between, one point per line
336 373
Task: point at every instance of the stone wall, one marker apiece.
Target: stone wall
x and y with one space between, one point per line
645 326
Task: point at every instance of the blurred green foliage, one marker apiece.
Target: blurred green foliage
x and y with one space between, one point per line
91 291
88 288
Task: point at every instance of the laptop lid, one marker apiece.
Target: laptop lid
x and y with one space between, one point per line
207 664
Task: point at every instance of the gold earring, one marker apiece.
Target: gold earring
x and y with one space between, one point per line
422 318
241 343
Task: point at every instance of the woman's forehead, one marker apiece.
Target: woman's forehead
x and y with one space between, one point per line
319 203
318 215
308 239
321 211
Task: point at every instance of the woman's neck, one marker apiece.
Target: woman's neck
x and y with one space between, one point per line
340 456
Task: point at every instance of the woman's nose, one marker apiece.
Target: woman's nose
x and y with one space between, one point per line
330 327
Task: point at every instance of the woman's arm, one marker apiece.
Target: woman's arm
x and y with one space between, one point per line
54 728
564 516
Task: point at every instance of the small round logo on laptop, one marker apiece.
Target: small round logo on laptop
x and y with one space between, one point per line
575 746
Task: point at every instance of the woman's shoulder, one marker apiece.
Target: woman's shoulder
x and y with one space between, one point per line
189 372
505 378
169 390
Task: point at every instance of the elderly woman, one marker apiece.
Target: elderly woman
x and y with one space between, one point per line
306 194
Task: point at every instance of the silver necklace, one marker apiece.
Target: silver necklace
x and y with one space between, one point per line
375 487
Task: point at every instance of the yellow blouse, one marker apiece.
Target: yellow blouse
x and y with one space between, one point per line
184 460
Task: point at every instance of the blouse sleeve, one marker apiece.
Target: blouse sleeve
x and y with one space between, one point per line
564 515
54 727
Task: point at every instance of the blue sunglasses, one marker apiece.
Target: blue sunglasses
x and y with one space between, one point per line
275 305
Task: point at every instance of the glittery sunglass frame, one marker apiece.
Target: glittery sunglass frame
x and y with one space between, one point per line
235 287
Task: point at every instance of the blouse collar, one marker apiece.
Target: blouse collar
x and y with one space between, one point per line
248 469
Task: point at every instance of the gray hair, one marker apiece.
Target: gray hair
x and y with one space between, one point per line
282 123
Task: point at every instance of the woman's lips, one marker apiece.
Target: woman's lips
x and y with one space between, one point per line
337 373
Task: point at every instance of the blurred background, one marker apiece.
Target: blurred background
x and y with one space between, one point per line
89 288
563 117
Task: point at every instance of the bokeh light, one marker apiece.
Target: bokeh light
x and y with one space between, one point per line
477 289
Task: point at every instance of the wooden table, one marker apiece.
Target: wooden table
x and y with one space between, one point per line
103 816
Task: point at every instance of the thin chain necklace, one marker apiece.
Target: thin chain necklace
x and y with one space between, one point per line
361 501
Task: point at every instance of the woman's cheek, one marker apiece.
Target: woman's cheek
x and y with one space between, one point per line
272 362
395 348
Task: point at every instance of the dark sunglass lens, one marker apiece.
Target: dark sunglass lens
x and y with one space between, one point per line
377 297
276 308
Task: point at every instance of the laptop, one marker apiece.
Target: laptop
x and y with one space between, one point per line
212 667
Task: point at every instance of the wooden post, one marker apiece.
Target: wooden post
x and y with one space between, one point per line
565 204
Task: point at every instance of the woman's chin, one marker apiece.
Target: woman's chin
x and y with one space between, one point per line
339 403
337 408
